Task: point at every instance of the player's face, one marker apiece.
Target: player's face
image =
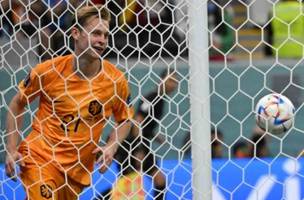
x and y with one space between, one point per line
92 40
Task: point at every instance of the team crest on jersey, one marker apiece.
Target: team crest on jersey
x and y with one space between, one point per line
95 107
46 191
27 79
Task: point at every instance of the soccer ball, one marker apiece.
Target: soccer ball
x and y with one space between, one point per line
274 113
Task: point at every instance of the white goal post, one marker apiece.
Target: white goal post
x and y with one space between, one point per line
199 99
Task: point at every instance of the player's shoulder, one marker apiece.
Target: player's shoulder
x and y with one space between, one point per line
57 63
113 71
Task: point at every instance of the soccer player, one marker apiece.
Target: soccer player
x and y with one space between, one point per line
149 113
78 93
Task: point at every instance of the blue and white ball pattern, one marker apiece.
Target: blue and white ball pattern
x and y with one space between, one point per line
275 113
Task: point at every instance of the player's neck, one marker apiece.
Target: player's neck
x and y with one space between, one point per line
86 68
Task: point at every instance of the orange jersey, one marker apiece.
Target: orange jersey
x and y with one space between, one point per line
72 113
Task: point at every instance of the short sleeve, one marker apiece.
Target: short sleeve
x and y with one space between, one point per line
29 87
122 109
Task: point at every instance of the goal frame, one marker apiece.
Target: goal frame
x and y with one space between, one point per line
199 99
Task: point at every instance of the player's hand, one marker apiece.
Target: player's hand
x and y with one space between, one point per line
104 156
13 158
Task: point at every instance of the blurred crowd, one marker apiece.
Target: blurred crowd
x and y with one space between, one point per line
151 28
154 28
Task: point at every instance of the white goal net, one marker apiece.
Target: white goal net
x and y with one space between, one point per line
194 70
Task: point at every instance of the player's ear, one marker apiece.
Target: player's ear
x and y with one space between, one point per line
75 32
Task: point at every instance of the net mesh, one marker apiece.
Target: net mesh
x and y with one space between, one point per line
146 37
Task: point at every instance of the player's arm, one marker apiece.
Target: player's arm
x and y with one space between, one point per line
29 89
123 114
106 153
135 130
118 134
13 123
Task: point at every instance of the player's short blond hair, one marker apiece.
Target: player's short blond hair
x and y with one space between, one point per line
84 13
